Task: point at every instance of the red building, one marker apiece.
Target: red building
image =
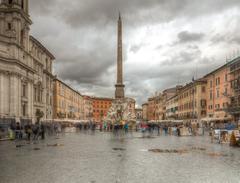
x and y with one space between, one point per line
101 107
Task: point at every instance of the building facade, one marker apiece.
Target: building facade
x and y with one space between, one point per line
151 109
88 108
101 107
139 114
159 107
218 93
234 74
145 111
192 103
68 103
168 93
25 67
172 108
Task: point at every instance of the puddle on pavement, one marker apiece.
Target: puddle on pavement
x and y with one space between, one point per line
170 151
55 145
199 150
19 146
36 149
119 149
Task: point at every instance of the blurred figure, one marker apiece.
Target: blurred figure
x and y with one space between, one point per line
28 131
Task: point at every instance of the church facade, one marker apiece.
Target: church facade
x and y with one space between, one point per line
26 79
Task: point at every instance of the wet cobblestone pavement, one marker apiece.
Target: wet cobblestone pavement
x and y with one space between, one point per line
104 158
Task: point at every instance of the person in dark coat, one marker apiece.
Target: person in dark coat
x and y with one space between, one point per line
42 127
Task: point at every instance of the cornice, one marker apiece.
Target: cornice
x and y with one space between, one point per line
17 62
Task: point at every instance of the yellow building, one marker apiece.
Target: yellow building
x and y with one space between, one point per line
68 103
88 108
192 103
145 111
172 108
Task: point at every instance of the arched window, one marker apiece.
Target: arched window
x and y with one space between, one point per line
22 38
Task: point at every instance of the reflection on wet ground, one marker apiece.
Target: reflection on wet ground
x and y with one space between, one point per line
104 158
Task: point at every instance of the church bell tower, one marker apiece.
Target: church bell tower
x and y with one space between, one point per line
15 22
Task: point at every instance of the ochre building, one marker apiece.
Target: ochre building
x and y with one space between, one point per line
68 103
192 101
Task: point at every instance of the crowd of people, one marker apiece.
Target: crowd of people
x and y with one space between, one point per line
33 131
150 128
40 130
103 127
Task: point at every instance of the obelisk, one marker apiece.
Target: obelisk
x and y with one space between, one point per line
119 93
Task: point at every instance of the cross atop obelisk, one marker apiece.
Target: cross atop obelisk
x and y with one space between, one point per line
119 93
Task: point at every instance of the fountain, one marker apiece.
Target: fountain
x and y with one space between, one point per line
121 112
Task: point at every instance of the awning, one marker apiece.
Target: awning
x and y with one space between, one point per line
216 119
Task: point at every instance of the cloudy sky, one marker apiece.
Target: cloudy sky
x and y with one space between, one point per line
166 42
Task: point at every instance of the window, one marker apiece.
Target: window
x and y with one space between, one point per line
218 94
218 81
9 26
203 103
211 84
35 94
10 1
24 109
226 78
211 95
203 89
24 90
226 91
22 38
47 99
22 4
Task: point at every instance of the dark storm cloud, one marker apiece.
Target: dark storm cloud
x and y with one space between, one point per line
85 69
226 38
136 47
185 36
101 12
190 54
43 7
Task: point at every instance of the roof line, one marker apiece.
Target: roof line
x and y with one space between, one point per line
41 46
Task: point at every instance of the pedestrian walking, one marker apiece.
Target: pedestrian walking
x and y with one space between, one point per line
35 131
158 129
42 130
126 128
28 131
